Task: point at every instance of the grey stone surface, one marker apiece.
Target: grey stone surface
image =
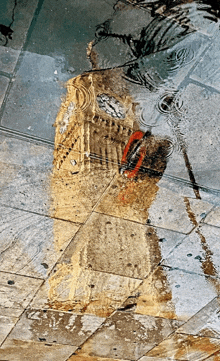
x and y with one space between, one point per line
8 59
17 350
18 15
95 266
207 71
24 153
168 292
169 211
174 74
213 217
198 253
184 347
205 323
198 130
6 325
69 29
4 82
35 95
128 336
122 247
16 293
28 246
55 327
25 188
25 172
183 187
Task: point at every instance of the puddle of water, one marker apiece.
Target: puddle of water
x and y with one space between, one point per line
99 132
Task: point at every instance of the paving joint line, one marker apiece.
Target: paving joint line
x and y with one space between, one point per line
6 75
41 141
202 85
210 225
202 221
53 269
19 275
191 70
141 223
104 192
171 251
190 272
41 214
31 167
25 137
119 275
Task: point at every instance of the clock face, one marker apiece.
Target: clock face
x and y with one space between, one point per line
111 106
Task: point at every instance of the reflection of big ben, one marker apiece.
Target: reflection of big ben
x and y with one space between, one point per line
93 127
94 123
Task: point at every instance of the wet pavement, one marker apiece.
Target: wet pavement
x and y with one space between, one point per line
110 180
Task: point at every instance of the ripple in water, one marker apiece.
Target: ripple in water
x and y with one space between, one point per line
178 59
170 103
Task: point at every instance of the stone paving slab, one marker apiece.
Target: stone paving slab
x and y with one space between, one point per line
127 336
196 127
198 253
19 15
145 202
213 218
6 325
4 82
183 188
25 188
202 146
74 289
8 59
192 46
25 153
28 246
103 264
26 174
207 71
16 292
170 211
205 323
70 28
35 190
121 247
168 293
204 25
34 97
55 327
184 347
74 195
17 350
